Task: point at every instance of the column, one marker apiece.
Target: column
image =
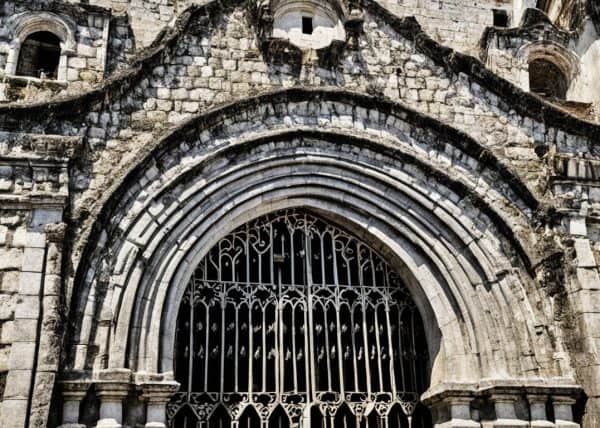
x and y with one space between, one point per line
112 388
63 63
73 393
50 327
458 409
506 415
13 58
111 404
537 409
157 396
563 411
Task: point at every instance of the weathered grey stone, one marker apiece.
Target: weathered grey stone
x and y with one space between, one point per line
10 258
483 198
7 306
7 333
10 282
33 260
24 330
27 307
22 355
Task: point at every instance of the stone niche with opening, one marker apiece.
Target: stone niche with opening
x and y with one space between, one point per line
297 32
308 24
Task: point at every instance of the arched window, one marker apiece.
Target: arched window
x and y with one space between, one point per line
41 43
39 55
547 79
291 318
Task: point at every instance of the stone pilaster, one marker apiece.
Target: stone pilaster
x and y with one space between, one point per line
459 411
157 395
112 388
506 415
37 193
73 393
49 337
537 410
451 406
563 411
584 295
16 406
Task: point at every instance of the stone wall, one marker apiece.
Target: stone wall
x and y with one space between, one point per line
456 23
212 57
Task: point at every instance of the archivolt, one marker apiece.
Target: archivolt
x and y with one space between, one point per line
453 223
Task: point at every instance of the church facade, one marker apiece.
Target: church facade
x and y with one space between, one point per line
299 213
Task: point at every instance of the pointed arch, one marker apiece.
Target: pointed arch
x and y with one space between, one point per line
249 418
279 418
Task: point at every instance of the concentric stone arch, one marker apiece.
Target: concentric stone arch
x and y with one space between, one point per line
424 194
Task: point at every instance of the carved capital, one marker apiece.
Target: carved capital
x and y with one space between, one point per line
55 232
158 392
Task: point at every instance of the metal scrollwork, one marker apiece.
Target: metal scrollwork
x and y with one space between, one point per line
287 313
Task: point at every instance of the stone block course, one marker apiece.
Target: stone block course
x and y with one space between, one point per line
17 386
22 356
10 258
9 282
27 307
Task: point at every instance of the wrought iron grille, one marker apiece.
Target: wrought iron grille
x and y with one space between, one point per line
290 321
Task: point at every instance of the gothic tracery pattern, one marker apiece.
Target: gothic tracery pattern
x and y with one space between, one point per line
289 313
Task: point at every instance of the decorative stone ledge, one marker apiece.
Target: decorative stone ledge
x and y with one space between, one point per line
454 410
46 147
34 169
535 25
12 87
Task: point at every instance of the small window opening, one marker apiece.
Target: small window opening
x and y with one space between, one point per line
39 54
500 18
547 80
307 25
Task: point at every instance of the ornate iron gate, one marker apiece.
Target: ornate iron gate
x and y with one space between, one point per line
290 320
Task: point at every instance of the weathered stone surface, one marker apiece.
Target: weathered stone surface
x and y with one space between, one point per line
114 183
10 258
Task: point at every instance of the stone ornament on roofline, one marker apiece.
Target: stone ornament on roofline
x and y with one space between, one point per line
332 28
